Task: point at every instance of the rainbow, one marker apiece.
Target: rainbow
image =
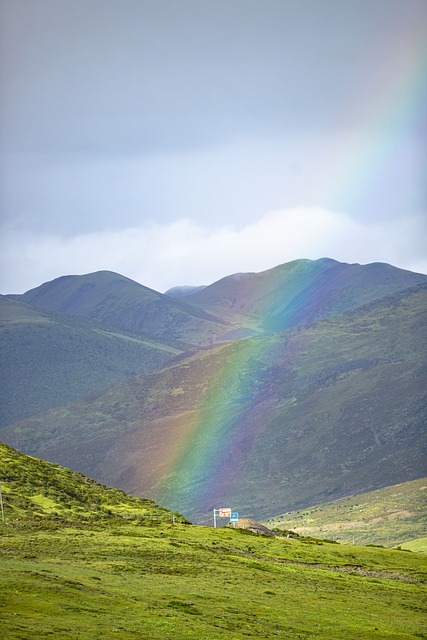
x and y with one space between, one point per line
396 110
219 437
219 433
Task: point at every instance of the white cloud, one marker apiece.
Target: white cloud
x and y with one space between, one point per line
184 252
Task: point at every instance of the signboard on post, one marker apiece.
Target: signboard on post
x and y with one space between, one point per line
221 513
234 517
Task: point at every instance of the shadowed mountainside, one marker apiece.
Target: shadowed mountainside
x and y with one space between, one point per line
264 424
49 359
123 304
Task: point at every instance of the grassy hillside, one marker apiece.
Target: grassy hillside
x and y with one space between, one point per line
419 545
301 417
125 305
391 516
116 578
38 493
48 359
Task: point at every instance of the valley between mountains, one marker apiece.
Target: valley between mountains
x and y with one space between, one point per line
264 392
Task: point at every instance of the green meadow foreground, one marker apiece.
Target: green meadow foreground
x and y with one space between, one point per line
124 581
82 561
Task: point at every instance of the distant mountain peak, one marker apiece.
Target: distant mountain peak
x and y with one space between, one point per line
184 290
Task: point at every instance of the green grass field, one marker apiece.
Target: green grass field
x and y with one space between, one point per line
126 581
80 561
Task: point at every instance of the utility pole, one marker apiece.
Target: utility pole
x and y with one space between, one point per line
1 503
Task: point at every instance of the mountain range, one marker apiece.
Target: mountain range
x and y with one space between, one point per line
263 392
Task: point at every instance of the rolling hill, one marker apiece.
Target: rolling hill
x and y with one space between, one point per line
235 307
264 425
38 491
48 359
300 292
392 516
81 560
120 303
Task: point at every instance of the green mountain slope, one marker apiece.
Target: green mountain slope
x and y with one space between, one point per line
133 573
125 305
38 492
299 292
419 545
48 359
390 516
264 425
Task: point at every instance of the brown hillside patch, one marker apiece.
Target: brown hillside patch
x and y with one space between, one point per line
404 513
252 525
334 526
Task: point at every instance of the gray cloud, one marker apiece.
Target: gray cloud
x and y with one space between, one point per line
109 76
122 113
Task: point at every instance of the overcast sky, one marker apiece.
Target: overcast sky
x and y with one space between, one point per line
179 141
